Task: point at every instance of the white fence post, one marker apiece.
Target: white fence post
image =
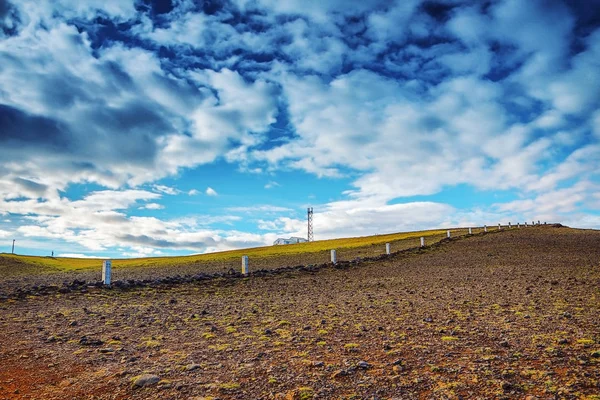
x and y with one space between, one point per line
245 263
106 271
448 233
509 225
387 249
422 241
470 231
518 224
499 227
485 228
333 257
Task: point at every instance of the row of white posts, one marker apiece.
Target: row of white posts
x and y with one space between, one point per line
107 264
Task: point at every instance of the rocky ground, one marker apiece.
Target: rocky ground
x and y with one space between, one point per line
514 314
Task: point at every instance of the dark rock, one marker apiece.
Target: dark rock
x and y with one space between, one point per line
85 341
192 367
144 380
363 365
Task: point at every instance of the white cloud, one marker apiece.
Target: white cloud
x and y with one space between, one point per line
350 218
78 255
380 93
166 189
261 208
271 185
4 234
152 206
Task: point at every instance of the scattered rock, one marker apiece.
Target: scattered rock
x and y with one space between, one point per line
144 380
563 341
363 365
567 314
268 332
339 374
504 343
107 350
192 367
318 364
85 341
428 319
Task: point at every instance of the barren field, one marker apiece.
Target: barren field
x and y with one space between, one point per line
510 314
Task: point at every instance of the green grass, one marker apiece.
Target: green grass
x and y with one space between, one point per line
58 264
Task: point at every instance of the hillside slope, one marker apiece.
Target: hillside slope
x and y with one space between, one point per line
505 315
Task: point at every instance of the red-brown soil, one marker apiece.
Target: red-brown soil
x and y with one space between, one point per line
505 315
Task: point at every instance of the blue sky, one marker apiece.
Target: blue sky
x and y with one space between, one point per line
140 128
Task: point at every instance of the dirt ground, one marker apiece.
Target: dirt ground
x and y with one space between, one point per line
514 314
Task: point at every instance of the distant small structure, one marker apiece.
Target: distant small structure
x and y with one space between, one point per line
292 240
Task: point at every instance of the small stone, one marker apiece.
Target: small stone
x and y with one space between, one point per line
192 367
268 332
107 350
563 341
339 373
397 362
428 319
567 314
318 364
144 380
504 343
363 365
73 323
507 386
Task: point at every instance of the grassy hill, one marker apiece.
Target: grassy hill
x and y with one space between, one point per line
301 253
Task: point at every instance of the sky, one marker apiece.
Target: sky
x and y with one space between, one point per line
155 128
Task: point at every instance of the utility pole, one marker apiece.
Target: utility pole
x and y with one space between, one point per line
310 225
13 250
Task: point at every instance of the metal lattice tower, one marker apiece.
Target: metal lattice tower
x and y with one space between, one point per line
310 225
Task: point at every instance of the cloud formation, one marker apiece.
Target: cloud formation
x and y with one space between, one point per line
404 99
